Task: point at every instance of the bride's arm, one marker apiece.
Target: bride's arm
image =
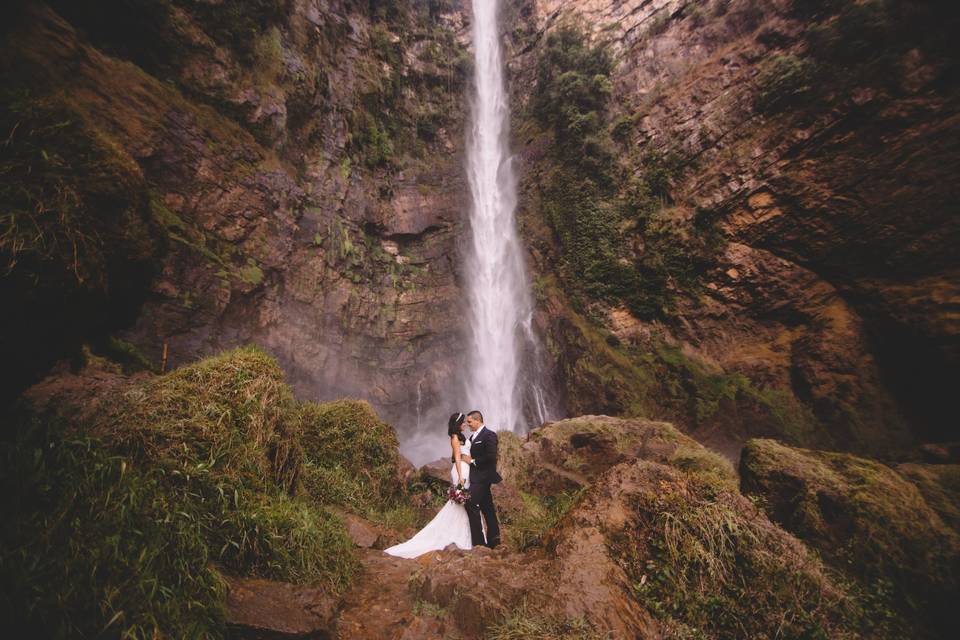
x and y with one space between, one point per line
455 443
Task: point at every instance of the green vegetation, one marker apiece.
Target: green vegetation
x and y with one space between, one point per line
782 80
76 236
864 42
68 193
939 484
658 380
238 25
527 527
854 44
524 624
866 520
350 458
127 355
699 395
401 107
121 519
707 564
620 241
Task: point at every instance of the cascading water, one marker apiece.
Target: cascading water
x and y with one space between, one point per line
502 378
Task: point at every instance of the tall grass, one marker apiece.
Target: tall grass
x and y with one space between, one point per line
121 526
702 557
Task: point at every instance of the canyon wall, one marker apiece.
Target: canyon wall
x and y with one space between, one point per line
776 180
739 214
297 171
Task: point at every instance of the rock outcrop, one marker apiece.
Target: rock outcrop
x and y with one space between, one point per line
781 195
865 518
300 164
273 511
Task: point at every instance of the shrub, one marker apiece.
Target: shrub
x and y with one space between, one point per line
122 521
350 456
573 87
782 79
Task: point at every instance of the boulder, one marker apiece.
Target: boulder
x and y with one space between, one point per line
364 533
437 472
569 454
266 610
863 517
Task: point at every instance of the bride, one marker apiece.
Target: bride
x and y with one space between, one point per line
451 524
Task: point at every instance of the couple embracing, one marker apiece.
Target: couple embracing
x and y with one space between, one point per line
474 458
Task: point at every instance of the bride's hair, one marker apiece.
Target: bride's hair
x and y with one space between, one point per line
453 426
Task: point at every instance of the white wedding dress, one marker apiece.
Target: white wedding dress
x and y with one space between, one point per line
450 525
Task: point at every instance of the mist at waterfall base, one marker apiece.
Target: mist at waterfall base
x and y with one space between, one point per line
501 372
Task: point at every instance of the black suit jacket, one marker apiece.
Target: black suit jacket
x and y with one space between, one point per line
483 451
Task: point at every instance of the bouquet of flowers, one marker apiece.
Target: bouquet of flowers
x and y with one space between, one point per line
458 494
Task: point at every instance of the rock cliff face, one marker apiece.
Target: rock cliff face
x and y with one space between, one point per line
810 147
299 162
740 215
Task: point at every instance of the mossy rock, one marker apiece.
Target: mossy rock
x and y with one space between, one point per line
570 454
865 519
545 475
939 484
702 560
124 516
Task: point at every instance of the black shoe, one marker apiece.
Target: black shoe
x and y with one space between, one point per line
493 543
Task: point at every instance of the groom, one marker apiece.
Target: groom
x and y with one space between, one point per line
483 473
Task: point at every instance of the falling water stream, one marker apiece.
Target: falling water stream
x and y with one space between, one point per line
502 378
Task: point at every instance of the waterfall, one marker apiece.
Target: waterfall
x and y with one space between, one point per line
502 375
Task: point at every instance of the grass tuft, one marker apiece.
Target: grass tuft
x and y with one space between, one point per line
524 624
706 561
122 526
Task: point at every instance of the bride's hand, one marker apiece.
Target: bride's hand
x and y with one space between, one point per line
466 458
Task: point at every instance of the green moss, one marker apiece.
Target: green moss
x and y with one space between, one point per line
268 56
588 446
864 518
251 273
707 564
345 167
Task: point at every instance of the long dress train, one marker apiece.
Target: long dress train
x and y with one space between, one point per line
450 525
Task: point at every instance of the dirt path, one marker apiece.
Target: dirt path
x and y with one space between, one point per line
381 604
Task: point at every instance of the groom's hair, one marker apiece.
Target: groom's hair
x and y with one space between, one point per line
476 414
